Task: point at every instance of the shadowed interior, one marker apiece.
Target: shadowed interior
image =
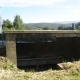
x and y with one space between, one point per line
67 47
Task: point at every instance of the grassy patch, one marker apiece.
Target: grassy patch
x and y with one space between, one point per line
8 71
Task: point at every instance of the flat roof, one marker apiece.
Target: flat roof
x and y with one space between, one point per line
42 31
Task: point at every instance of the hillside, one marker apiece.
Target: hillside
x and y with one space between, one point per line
50 25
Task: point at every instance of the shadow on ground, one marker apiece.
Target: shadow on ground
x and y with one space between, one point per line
39 68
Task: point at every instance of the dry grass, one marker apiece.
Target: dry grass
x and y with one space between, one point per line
8 71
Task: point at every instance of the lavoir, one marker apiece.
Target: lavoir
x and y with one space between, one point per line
40 47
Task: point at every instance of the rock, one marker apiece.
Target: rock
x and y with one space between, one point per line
59 66
65 65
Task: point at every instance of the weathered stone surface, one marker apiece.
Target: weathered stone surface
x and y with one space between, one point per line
57 33
11 48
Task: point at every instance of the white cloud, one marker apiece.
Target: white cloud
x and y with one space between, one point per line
23 3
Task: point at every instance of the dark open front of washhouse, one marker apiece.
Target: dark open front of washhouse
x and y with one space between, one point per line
27 48
37 49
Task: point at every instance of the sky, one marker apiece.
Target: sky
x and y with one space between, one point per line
38 11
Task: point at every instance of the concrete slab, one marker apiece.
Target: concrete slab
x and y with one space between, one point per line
43 31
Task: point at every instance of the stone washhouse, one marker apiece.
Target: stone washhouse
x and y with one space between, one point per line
39 47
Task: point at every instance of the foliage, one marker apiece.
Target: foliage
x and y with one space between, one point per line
39 28
7 24
52 26
68 28
18 23
77 26
46 28
63 27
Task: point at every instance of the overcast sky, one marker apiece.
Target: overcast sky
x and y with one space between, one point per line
34 11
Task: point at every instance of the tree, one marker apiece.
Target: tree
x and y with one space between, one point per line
7 24
62 27
68 28
77 26
39 28
18 23
46 28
